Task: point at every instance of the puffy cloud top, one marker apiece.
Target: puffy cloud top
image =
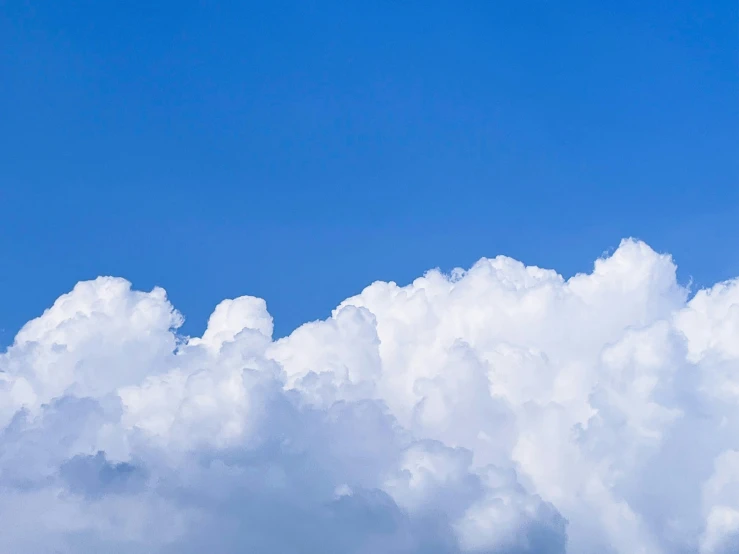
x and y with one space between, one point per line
501 409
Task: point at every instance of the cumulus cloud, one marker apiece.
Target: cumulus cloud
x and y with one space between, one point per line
500 409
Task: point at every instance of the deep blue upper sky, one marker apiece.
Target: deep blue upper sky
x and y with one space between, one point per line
300 150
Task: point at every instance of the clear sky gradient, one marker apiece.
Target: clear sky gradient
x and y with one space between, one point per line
298 151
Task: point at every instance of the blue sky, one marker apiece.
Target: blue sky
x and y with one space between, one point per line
298 151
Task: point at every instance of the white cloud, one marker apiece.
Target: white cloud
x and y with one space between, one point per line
498 409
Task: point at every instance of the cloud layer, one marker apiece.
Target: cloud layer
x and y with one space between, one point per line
502 409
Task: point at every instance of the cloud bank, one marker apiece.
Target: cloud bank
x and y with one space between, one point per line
501 409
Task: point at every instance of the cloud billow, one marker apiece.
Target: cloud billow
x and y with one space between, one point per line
502 409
